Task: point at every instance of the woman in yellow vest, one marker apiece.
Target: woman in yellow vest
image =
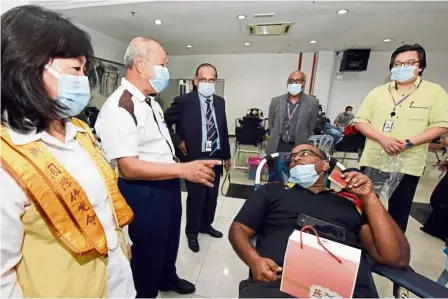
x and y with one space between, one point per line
61 212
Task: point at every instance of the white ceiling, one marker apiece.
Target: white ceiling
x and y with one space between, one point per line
212 27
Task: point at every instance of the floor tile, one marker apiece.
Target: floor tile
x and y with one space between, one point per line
221 274
231 207
223 225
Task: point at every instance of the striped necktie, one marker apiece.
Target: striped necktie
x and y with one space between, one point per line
212 133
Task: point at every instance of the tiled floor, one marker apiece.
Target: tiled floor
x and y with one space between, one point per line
216 269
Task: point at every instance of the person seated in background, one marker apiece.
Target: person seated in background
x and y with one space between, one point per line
321 122
342 120
345 118
271 215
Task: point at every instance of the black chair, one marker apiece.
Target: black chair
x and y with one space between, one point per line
404 280
248 131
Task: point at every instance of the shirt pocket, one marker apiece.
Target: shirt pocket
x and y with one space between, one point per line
418 114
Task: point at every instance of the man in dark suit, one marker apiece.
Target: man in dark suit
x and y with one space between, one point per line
201 133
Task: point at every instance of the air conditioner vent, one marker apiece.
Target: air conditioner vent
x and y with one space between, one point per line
269 29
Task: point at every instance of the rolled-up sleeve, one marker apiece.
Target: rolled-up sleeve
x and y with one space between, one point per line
438 113
118 133
365 112
13 205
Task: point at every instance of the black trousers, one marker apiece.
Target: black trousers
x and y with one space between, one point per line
400 201
154 232
285 147
250 289
201 203
437 222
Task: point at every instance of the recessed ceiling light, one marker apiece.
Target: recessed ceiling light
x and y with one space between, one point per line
342 11
189 46
247 44
313 41
241 17
386 40
158 22
228 46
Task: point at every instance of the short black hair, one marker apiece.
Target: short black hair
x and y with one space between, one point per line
407 48
348 107
30 37
322 154
205 65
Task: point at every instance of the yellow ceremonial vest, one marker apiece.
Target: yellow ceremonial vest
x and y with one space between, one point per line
64 252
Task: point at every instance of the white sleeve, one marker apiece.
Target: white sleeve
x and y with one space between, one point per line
13 206
118 133
126 235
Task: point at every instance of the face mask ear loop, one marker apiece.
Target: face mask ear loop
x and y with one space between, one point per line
51 70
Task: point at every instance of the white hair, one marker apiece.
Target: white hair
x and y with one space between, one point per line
137 47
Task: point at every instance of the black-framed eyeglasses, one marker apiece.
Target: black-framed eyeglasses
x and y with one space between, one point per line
410 62
295 81
301 154
205 80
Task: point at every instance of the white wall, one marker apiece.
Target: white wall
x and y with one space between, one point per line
353 88
251 80
104 46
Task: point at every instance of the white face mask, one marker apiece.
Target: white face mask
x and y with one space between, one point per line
294 89
206 89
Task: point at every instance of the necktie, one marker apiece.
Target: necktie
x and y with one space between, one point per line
212 133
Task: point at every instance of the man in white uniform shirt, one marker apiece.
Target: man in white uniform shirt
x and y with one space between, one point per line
134 136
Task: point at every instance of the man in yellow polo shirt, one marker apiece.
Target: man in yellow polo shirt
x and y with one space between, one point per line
400 118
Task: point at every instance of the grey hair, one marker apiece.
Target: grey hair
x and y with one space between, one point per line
129 56
137 47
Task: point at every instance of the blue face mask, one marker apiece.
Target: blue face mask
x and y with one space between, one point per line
206 89
403 74
73 92
294 89
161 78
303 175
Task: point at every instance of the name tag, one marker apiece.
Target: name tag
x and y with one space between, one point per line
208 146
388 125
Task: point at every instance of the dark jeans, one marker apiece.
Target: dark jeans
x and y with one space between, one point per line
154 232
201 203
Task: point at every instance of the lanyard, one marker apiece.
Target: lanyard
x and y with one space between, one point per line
404 98
290 115
209 120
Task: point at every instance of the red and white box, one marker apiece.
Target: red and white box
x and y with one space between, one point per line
310 271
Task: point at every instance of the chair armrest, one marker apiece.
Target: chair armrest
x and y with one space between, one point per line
412 281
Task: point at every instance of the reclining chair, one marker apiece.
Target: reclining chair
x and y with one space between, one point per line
404 280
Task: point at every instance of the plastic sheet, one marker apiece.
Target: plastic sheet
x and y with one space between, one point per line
385 183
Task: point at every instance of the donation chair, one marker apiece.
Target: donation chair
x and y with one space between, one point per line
404 280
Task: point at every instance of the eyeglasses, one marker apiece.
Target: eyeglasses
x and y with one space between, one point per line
410 62
296 81
301 154
205 80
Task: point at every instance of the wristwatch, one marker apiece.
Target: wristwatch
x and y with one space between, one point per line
409 144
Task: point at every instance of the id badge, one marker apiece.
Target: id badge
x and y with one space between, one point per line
208 146
388 125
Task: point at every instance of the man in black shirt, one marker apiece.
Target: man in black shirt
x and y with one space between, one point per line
271 215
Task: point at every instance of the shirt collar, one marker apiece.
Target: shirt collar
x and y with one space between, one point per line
133 90
21 139
415 84
203 99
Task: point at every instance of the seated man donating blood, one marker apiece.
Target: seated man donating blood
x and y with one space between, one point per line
271 213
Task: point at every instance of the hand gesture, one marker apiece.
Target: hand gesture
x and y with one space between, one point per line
265 270
200 171
358 183
183 148
393 146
